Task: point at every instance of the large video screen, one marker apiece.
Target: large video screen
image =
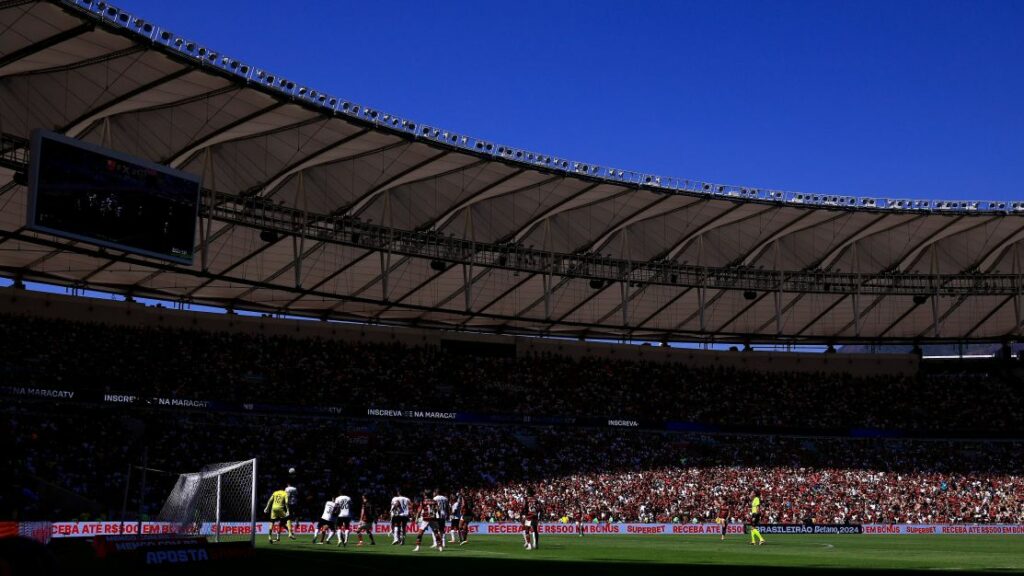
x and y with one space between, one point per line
84 192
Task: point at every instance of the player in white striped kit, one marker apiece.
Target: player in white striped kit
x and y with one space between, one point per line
342 509
400 506
326 523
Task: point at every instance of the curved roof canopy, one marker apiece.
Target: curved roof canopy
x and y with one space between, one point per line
318 206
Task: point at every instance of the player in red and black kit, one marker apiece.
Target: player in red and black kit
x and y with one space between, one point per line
365 521
531 518
723 520
427 513
466 516
579 519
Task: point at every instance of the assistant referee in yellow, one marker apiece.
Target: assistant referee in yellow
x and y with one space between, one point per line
755 519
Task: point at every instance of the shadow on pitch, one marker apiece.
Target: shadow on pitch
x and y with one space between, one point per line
78 560
284 560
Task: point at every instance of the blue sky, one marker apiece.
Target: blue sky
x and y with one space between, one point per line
898 99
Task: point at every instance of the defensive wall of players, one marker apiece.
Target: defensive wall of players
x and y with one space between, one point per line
74 308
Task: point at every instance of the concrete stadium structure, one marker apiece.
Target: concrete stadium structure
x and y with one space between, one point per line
316 206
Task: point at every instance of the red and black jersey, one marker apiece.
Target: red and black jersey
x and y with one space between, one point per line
428 509
366 512
531 509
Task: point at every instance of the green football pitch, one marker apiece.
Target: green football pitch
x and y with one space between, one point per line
594 555
604 555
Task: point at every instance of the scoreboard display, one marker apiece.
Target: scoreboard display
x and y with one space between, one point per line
88 193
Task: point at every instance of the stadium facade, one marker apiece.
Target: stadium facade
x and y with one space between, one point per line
316 206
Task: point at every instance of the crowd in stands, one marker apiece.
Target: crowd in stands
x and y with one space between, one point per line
252 368
597 474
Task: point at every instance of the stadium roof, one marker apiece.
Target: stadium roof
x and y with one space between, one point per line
314 205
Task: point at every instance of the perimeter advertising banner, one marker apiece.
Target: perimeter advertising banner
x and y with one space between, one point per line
993 529
810 528
92 529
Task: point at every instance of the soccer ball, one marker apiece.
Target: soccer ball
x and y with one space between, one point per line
291 471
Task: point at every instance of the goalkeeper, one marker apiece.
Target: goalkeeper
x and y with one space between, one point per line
277 507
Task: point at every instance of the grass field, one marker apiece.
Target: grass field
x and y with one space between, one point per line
592 555
600 555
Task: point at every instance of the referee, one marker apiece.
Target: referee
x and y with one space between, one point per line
755 520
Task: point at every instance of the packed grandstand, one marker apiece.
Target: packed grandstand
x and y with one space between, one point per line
361 376
497 426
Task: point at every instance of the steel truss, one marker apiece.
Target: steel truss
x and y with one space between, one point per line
263 214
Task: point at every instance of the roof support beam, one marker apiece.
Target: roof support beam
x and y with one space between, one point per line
876 226
81 63
277 274
795 225
323 242
256 284
874 303
234 265
790 228
519 234
901 317
40 45
334 274
176 159
729 216
78 125
828 309
865 231
483 194
268 187
596 245
951 230
8 4
764 294
7 188
987 317
989 261
435 276
563 205
483 309
359 205
701 311
436 224
639 215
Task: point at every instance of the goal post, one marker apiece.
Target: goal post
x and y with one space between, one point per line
219 502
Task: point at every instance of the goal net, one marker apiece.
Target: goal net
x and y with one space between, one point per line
219 501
